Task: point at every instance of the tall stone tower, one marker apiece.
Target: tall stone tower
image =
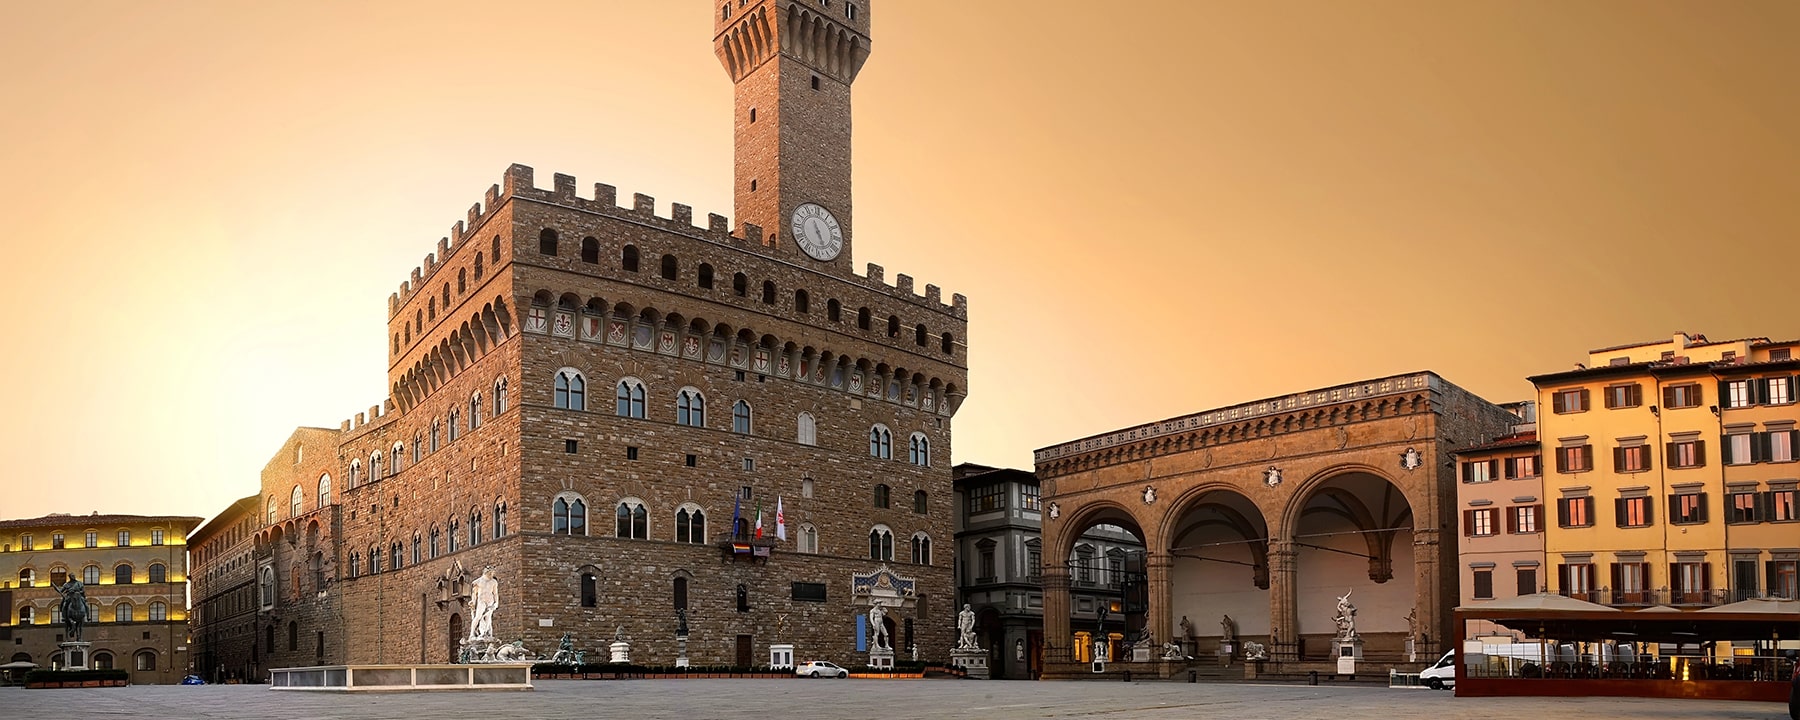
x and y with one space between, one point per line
792 62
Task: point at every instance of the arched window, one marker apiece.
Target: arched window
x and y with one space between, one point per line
920 504
453 425
419 447
398 451
590 250
921 549
355 565
103 661
690 526
809 539
499 396
547 242
834 310
146 660
122 611
265 584
568 516
881 443
451 536
374 560
374 470
706 276
395 559
690 408
862 318
881 499
295 499
590 590
430 310
475 410
478 266
918 450
436 536
671 268
158 573
474 528
122 574
494 250
740 285
324 489
462 281
27 613
806 487
802 302
768 295
808 433
446 298
893 326
499 519
436 434
881 543
355 474
679 588
947 343
740 417
418 556
628 259
628 398
570 392
633 521
90 575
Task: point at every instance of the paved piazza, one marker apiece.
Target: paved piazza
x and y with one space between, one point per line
782 699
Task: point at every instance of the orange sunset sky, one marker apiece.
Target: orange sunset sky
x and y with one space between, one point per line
1155 208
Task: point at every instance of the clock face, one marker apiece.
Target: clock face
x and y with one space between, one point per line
816 232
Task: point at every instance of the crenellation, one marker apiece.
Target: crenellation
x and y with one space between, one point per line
904 284
416 276
933 295
456 232
718 224
753 234
344 426
387 406
683 215
361 420
493 198
374 412
959 305
429 264
876 276
474 215
606 196
444 248
394 302
518 177
643 205
563 188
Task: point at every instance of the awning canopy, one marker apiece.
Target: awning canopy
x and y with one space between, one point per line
19 665
1548 617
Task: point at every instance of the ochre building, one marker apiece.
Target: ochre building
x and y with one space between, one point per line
134 571
597 398
1267 512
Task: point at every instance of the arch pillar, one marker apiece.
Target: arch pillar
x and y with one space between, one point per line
1284 615
1058 641
1160 570
1429 596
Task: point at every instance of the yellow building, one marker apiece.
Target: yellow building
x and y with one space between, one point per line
1664 465
134 568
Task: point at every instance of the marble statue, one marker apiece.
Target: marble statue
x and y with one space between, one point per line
878 627
1346 617
1171 651
1412 623
1187 629
1227 629
513 652
74 607
1255 651
681 626
487 599
565 652
965 625
619 634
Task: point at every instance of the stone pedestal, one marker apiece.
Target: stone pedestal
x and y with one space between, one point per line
972 660
881 657
681 658
1140 654
1347 648
781 655
75 654
621 651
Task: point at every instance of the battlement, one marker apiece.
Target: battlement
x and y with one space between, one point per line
520 183
376 415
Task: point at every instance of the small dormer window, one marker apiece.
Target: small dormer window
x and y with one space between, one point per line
850 10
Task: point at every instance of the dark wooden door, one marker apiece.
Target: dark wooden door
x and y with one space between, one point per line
456 631
743 651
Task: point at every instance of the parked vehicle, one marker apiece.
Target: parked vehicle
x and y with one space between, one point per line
1441 675
193 680
820 668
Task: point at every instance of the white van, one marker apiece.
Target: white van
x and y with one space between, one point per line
1441 675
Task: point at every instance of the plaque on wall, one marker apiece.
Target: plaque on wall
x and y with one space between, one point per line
762 361
616 332
641 337
690 347
781 365
855 381
565 325
537 320
715 351
666 342
740 356
592 329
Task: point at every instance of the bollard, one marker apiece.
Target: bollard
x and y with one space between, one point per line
1193 676
1127 676
1312 677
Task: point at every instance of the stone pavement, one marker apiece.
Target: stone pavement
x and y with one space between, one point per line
851 699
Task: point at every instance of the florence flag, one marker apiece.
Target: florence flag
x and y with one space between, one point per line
780 520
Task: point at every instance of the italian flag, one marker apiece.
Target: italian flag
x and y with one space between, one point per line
759 519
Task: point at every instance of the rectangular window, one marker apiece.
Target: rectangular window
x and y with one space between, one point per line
1030 497
26 544
1573 512
1631 459
1781 445
1522 467
56 541
1479 522
92 540
1480 471
1738 394
631 452
1687 508
1690 582
1577 579
124 538
1681 396
1574 458
808 592
156 537
1632 512
1684 454
1784 579
1570 401
1745 507
1525 518
1484 584
1630 583
1527 579
1624 396
988 498
1782 507
1738 449
1778 391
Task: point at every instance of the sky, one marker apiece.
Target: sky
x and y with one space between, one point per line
1155 208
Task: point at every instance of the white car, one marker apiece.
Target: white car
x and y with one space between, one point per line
820 668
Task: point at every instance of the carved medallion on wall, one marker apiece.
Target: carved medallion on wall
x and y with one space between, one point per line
1055 511
1411 459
